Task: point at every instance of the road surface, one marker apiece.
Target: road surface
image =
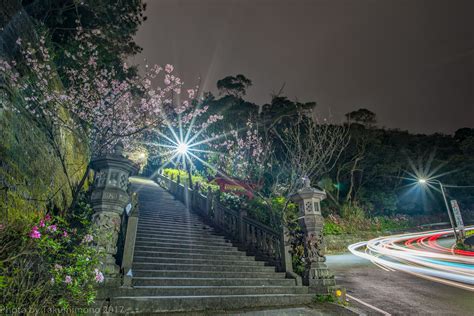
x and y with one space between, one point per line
387 288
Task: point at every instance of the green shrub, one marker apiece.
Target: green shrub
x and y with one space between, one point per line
384 223
47 264
196 178
332 228
230 201
352 212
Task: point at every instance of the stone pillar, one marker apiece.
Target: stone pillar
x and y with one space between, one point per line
316 275
109 198
241 227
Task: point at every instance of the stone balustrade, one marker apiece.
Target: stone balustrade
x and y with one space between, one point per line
257 239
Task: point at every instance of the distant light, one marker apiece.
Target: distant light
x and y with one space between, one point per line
142 156
422 181
182 148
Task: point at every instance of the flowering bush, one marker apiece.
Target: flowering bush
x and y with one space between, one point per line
47 264
243 153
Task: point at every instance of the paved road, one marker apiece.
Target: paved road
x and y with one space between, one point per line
397 293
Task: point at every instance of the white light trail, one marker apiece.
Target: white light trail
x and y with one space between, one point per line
420 255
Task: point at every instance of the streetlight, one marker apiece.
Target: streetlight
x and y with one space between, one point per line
182 148
425 181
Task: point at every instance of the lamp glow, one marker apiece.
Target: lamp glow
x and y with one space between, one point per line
182 148
422 181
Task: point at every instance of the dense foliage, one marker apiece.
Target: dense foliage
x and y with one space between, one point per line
371 183
60 63
48 263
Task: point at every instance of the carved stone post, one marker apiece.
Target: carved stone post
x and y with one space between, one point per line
209 202
109 198
241 227
316 275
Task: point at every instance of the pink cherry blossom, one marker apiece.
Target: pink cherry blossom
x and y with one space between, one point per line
99 277
169 68
104 104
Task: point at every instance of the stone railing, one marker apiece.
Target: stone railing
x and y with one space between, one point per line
127 237
255 238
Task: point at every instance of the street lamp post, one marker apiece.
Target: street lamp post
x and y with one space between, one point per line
423 181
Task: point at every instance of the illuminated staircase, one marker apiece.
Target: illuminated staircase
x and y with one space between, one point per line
181 265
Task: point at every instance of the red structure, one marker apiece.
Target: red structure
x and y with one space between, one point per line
235 186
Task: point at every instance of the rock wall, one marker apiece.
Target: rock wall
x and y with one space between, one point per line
38 165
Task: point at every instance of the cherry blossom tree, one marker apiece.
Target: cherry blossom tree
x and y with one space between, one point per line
104 106
243 153
97 103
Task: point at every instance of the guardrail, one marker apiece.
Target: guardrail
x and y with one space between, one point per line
257 239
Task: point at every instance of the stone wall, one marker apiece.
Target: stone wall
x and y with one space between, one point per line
32 174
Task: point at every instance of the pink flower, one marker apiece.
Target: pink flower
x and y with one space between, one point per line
47 218
41 223
65 234
169 68
35 233
191 93
88 238
58 267
53 228
68 279
99 277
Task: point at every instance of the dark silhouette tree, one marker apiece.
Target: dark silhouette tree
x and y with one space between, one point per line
234 86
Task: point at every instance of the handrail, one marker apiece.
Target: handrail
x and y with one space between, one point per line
129 244
256 238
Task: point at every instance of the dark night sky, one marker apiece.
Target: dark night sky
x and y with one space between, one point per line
410 61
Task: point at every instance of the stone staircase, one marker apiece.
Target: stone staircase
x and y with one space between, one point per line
181 265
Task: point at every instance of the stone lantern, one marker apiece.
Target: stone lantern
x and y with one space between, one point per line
109 198
316 275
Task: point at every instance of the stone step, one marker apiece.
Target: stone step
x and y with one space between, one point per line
208 290
196 246
213 281
174 225
146 270
210 261
164 304
172 219
159 249
138 264
201 239
176 230
186 241
177 216
235 257
170 223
